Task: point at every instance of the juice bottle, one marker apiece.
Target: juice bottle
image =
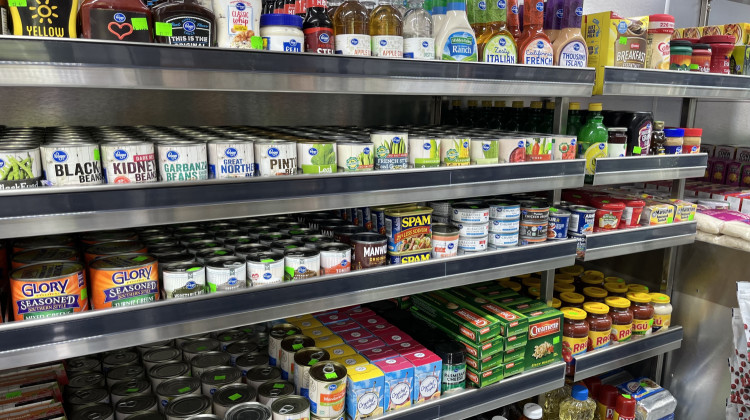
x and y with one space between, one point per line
456 40
592 139
570 47
578 406
476 12
497 44
419 40
514 20
318 28
386 31
351 29
534 47
575 119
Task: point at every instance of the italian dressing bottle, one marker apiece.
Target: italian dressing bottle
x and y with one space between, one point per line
456 40
570 47
534 47
386 29
351 29
419 41
496 44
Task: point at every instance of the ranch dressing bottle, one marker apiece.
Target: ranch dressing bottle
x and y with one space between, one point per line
570 48
237 22
386 29
456 40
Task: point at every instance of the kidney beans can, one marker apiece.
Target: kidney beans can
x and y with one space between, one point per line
444 240
409 229
226 273
335 258
124 280
533 230
20 167
301 263
128 162
369 250
48 290
258 375
249 410
275 158
278 333
182 161
72 164
470 212
214 378
136 405
327 389
558 223
305 359
188 406
503 225
231 159
503 240
270 391
231 395
174 388
291 408
582 219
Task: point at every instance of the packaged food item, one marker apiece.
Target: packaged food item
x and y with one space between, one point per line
544 344
600 325
364 392
424 152
660 30
662 311
643 313
681 55
575 335
391 150
721 52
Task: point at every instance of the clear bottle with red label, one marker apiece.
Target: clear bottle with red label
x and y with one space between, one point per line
318 28
534 46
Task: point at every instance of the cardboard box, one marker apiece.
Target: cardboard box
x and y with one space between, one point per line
328 341
355 335
513 368
368 321
406 347
712 30
428 370
742 154
745 176
458 316
691 33
514 354
511 321
684 211
489 362
359 313
375 328
733 174
304 323
393 336
366 344
708 149
341 326
364 392
719 171
477 379
398 376
317 332
725 152
739 62
351 361
655 213
478 351
341 350
332 318
379 353
545 338
740 32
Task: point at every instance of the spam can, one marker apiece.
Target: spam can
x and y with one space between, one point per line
273 390
289 346
293 407
327 389
409 229
231 395
124 280
231 159
48 290
395 258
305 359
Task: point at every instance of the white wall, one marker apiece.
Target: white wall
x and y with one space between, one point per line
628 8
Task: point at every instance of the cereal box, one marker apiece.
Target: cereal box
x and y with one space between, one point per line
341 350
428 368
328 341
399 382
379 353
364 392
351 361
545 337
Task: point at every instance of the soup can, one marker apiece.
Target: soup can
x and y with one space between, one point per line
208 360
171 389
316 157
275 158
199 346
231 159
258 375
391 150
354 156
558 223
129 389
293 407
335 258
304 359
369 249
249 410
214 378
136 405
187 407
182 161
327 389
158 355
71 164
20 167
582 219
226 273
273 390
183 279
301 263
231 395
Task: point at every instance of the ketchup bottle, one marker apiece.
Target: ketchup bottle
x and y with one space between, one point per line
318 28
534 46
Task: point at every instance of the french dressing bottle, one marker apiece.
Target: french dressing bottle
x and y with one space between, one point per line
419 41
534 47
456 40
351 29
514 20
497 45
386 31
570 48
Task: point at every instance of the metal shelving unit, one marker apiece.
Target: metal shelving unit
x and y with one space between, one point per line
619 81
623 354
648 168
646 238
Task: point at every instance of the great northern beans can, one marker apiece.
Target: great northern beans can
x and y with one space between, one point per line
48 290
72 164
128 162
182 161
124 280
327 389
231 159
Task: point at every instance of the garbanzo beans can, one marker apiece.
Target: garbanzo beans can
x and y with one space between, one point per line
124 280
48 290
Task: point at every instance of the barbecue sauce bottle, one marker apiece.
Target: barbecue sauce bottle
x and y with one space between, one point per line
184 23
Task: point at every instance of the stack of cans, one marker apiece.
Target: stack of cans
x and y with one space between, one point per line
472 218
504 222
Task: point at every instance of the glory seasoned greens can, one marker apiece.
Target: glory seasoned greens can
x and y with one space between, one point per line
182 161
71 164
48 290
275 157
316 157
128 162
124 280
231 158
106 249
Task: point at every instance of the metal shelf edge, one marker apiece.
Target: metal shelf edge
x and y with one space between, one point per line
645 82
649 168
630 241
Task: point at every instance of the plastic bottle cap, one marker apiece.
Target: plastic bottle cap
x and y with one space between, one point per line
472 103
550 105
500 104
674 132
280 19
625 406
595 106
532 411
580 392
693 132
456 102
574 106
487 104
608 395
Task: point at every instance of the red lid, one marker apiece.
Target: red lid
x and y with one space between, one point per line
606 203
661 18
625 406
608 395
635 203
693 132
717 39
594 384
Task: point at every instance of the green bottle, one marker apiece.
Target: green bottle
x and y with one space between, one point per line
575 119
592 139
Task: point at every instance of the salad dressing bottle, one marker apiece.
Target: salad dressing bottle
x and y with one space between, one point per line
456 40
534 47
386 31
513 19
497 45
351 29
570 48
439 9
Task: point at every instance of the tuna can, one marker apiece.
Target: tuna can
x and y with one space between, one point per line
214 378
289 346
534 211
470 212
335 258
248 411
187 407
182 161
231 395
245 250
504 209
265 268
96 411
129 389
165 371
444 240
327 389
504 225
125 373
108 249
304 359
124 280
440 208
503 240
208 360
397 258
174 388
472 230
87 380
344 233
226 273
532 241
284 244
71 164
86 396
582 219
258 375
408 229
239 348
558 224
82 364
275 157
119 358
533 230
249 360
354 156
183 279
230 159
369 250
136 405
278 333
317 241
20 167
316 157
301 263
48 289
201 345
128 162
291 408
424 152
234 242
158 355
273 390
391 150
472 244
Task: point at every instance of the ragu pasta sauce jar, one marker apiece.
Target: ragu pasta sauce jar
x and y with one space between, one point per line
116 20
318 28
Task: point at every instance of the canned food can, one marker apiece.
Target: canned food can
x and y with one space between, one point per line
355 156
42 255
532 241
391 150
455 152
208 253
128 162
289 346
187 407
301 263
328 228
143 348
171 389
317 241
283 244
195 347
503 240
534 211
580 244
339 417
20 167
208 360
182 161
472 230
558 224
78 365
369 250
166 371
231 395
124 280
231 159
582 219
364 218
125 373
472 244
485 151
96 411
129 389
146 416
226 273
183 279
335 258
48 290
119 358
343 233
408 229
179 342
127 407
273 390
424 152
25 244
245 250
470 212
327 389
236 241
258 375
408 257
291 408
239 348
317 157
278 333
71 164
249 360
249 410
304 359
444 240
112 248
87 380
87 396
533 230
275 158
265 268
159 355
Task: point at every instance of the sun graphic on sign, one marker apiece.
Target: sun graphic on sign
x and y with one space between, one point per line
44 11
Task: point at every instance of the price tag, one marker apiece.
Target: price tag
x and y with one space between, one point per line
312 362
636 150
183 390
296 346
256 43
17 3
331 375
278 386
220 378
234 397
139 24
163 29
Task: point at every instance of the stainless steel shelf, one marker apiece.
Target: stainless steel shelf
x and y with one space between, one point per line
648 168
477 401
646 238
33 62
620 81
620 355
45 211
35 341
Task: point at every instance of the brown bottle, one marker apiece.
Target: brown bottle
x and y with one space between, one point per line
116 20
184 23
51 18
